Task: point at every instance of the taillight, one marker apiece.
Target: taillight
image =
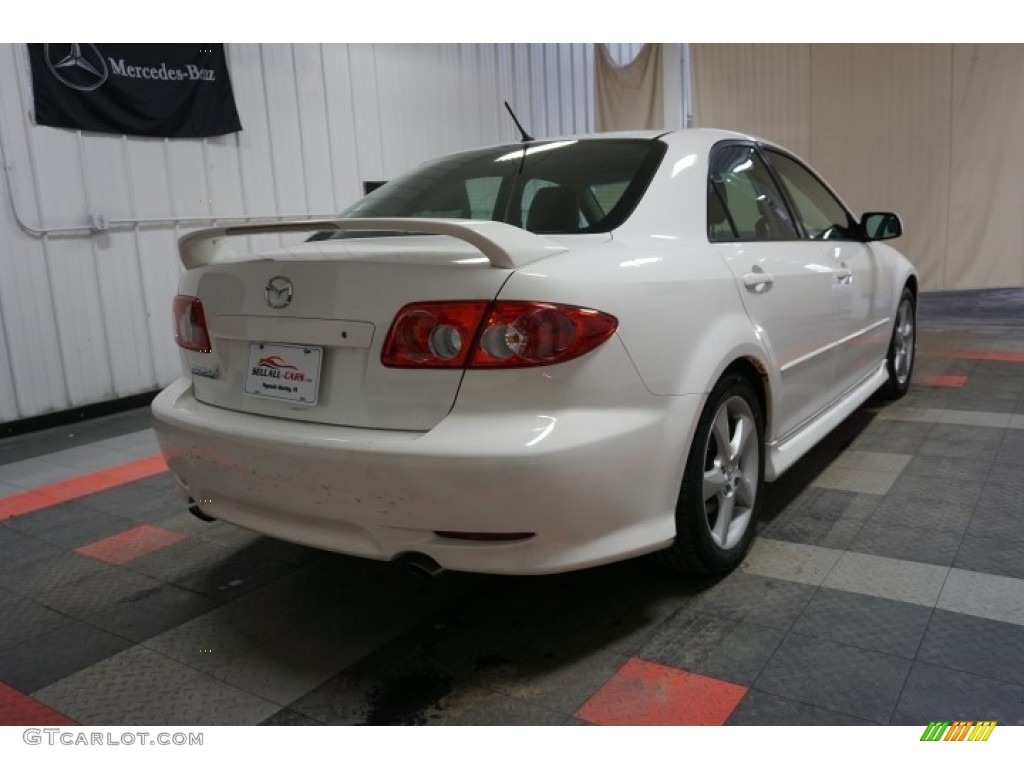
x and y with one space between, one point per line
190 324
433 335
502 334
524 333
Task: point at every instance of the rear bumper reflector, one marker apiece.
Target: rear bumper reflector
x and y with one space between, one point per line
475 536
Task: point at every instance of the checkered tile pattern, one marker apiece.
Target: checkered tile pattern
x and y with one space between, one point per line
886 586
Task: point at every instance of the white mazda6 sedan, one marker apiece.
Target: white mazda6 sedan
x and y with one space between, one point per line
536 357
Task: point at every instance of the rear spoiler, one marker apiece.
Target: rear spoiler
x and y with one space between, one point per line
503 244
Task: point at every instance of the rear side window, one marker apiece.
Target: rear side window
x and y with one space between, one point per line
555 187
744 202
482 194
608 193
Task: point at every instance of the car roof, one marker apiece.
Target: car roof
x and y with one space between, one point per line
692 139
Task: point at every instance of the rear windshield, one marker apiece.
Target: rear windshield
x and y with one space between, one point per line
556 187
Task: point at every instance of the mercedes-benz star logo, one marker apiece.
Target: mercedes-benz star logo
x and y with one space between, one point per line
77 65
279 292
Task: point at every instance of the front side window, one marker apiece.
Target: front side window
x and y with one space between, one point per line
823 216
555 187
743 201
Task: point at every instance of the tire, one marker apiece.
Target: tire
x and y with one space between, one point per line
707 542
902 348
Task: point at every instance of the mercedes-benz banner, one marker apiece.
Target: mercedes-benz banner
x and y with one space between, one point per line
160 89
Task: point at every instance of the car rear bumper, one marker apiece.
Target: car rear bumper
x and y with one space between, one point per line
592 485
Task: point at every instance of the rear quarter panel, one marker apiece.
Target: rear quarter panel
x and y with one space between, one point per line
680 315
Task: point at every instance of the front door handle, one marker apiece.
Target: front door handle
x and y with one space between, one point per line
844 274
757 280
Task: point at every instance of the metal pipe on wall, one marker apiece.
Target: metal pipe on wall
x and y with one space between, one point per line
102 224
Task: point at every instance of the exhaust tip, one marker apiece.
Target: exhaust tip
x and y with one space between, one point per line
194 509
423 567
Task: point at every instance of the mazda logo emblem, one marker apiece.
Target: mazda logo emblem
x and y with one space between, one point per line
279 292
77 65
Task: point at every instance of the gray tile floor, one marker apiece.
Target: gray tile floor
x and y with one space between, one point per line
886 586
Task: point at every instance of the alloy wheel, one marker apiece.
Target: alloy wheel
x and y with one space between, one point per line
731 472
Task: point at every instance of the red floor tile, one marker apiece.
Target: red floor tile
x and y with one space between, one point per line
131 544
993 355
76 487
937 380
644 693
18 709
23 503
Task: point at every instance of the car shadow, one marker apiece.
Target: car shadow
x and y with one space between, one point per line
344 640
780 494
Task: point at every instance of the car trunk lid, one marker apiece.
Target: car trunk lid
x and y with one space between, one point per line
297 332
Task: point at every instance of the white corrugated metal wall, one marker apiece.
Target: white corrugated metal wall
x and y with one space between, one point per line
85 317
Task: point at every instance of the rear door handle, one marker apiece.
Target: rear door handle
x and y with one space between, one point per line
758 281
843 274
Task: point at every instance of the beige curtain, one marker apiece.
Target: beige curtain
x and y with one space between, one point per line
930 131
629 97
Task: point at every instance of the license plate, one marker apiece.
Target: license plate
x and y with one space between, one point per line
284 372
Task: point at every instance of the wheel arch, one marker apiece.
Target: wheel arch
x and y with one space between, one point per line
752 361
911 283
755 372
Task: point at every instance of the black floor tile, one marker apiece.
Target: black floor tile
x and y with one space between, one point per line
1001 556
53 656
180 560
837 677
939 693
18 550
829 503
133 493
929 502
1002 523
575 609
925 396
484 707
971 644
872 623
152 508
22 619
726 649
42 576
561 681
893 436
887 538
987 399
396 699
962 442
70 525
961 470
822 517
288 717
998 512
151 611
159 483
241 570
1011 450
761 600
96 592
759 708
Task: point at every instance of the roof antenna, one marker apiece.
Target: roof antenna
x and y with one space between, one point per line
526 137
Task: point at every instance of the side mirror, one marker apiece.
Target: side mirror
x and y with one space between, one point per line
880 226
